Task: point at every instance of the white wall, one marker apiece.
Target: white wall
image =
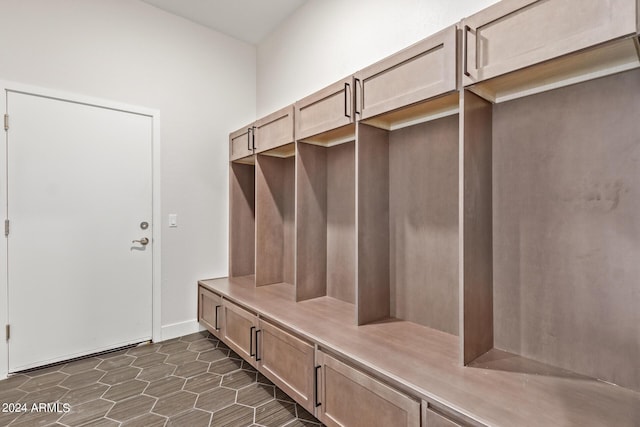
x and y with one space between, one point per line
326 40
202 82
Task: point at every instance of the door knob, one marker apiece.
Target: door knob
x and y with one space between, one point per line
144 241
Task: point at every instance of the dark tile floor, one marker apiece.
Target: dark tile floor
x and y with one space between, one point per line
187 382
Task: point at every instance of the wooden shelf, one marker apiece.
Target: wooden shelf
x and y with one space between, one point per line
499 389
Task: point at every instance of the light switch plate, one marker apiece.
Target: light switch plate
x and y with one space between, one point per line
173 220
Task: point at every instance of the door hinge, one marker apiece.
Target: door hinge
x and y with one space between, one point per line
6 228
8 328
6 122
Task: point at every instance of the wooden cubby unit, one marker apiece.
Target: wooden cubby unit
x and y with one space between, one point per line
407 191
549 188
325 185
560 188
326 233
408 233
452 238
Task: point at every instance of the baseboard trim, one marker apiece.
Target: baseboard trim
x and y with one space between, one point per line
180 329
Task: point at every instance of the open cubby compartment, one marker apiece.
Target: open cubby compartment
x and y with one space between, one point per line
551 228
242 223
407 215
325 262
275 219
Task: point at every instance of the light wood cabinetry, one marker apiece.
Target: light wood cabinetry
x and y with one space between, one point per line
541 174
274 133
326 115
516 34
288 362
239 331
349 397
242 144
455 224
434 419
325 206
422 71
210 311
407 264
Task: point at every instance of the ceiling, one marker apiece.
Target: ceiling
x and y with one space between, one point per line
247 20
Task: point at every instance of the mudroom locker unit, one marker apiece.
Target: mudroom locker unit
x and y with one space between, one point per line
450 236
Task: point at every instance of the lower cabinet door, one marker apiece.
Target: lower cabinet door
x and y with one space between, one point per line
210 311
240 330
288 362
434 419
351 398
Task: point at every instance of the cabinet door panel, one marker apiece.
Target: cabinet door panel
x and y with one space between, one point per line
420 72
351 398
239 329
209 311
288 362
514 34
274 130
433 419
328 109
240 143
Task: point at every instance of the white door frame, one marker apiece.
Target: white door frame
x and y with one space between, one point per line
156 213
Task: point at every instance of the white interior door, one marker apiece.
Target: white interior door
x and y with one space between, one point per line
79 186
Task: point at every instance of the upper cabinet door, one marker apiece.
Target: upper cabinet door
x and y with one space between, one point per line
419 72
274 130
325 110
241 143
514 34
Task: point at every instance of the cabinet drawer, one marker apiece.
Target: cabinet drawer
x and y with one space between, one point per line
514 34
209 310
325 110
288 362
241 143
239 330
351 398
274 130
420 72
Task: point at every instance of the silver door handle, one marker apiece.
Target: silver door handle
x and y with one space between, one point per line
144 241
